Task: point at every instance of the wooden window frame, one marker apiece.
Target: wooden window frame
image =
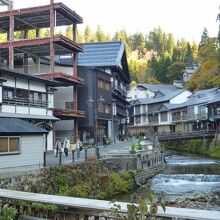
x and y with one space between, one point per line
12 152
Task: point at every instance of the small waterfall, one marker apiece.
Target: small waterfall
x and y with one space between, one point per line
179 179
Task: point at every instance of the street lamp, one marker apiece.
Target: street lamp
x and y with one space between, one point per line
94 107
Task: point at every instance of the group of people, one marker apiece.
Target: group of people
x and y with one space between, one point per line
65 147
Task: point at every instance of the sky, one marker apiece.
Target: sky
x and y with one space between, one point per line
184 18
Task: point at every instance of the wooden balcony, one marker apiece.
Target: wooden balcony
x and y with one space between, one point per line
68 114
63 78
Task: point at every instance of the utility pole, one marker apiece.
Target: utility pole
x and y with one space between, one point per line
218 19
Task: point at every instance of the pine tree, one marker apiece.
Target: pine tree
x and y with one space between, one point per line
204 38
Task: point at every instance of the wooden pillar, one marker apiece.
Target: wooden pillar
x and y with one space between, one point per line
75 98
11 36
52 24
75 130
25 54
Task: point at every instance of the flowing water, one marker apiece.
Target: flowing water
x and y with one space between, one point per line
185 176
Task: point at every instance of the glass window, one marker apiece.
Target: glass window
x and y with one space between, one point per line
100 84
69 105
163 116
9 144
13 144
107 86
3 145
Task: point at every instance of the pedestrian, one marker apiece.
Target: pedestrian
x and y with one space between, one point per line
66 145
105 141
58 146
78 147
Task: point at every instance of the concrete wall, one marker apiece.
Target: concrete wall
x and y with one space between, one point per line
182 97
31 153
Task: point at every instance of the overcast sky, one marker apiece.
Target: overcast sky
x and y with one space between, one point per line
183 18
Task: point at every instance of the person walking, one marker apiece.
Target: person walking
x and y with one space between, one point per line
66 145
78 147
58 146
105 141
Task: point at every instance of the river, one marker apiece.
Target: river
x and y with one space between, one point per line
186 176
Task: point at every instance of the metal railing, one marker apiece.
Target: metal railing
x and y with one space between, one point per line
79 208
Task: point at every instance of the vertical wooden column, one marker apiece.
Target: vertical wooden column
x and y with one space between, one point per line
52 24
11 36
75 98
75 130
25 54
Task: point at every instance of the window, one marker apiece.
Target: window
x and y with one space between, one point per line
8 93
137 109
101 107
69 105
163 116
100 84
108 109
107 86
137 119
9 145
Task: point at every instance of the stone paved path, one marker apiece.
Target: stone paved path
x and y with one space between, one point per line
51 160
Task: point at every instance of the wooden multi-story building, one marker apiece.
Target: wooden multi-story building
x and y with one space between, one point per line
18 54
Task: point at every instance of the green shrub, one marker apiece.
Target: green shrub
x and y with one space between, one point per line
132 148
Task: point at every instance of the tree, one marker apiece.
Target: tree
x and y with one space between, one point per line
100 35
175 71
204 38
88 35
189 55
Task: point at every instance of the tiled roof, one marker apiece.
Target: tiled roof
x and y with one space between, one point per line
18 126
101 54
168 94
156 87
198 98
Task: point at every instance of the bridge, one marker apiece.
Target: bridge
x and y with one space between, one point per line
166 137
79 208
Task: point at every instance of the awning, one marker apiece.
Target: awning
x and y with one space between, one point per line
27 116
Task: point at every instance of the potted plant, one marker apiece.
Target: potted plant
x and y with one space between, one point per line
140 146
132 148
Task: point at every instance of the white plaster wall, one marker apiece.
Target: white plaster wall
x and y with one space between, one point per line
62 95
49 112
22 83
149 93
8 108
180 98
50 140
38 111
37 86
196 109
22 110
10 81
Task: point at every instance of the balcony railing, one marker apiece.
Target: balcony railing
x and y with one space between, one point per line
24 102
179 118
68 113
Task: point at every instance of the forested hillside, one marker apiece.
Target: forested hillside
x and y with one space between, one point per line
157 57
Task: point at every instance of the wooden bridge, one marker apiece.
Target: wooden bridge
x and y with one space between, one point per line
165 137
78 208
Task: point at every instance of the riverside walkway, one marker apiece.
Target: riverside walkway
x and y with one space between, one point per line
97 208
51 160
